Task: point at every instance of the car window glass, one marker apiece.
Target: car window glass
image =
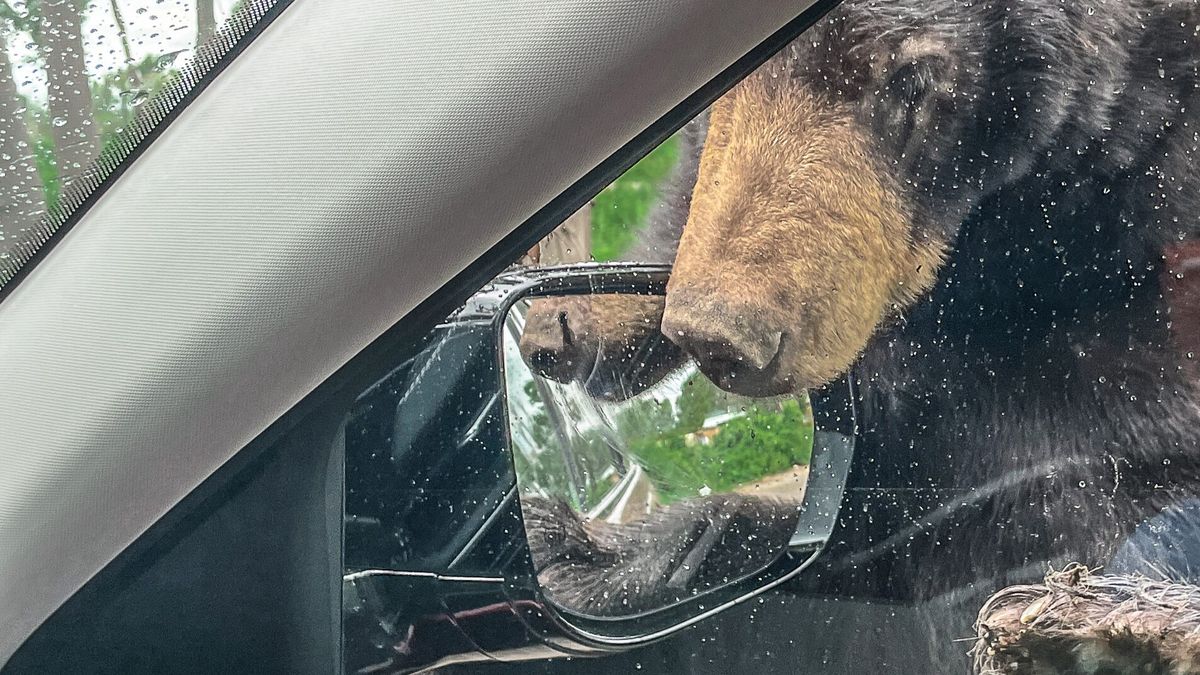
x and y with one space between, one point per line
635 218
82 84
984 214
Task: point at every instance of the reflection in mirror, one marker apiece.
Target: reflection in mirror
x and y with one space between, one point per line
641 483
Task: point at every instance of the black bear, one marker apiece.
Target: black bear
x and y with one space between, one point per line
963 207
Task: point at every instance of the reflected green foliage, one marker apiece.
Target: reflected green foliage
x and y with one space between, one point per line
541 462
697 400
540 423
766 441
620 210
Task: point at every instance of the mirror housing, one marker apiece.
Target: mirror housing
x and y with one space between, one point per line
470 589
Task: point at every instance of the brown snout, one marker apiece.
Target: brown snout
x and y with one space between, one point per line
609 343
735 344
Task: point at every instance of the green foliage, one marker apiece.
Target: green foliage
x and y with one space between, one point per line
43 157
37 121
118 95
764 442
620 210
540 423
697 400
649 417
116 99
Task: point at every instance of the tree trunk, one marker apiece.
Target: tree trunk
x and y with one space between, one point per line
206 20
60 37
21 201
570 242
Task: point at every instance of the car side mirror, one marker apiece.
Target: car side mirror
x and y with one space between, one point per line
590 490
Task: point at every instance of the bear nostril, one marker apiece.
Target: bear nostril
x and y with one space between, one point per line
754 352
568 336
724 339
720 355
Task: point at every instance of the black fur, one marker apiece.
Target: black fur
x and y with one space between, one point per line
1033 406
680 550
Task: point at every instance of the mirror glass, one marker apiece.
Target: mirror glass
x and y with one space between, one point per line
641 483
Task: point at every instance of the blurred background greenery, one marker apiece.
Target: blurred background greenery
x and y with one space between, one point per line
74 74
620 210
769 440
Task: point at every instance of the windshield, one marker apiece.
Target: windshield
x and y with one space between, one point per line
83 85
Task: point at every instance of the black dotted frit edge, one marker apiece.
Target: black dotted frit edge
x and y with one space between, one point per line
153 116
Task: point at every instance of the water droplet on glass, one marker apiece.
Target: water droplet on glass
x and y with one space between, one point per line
135 97
167 59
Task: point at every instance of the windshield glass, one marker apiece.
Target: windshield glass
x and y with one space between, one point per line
82 85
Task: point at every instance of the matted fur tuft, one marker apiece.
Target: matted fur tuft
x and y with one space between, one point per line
1079 623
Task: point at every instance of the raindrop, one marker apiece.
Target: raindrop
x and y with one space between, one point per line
167 59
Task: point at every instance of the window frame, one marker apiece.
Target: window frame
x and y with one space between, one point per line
337 393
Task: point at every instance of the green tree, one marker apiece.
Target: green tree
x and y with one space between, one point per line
696 403
768 440
21 199
118 96
57 28
619 212
68 131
